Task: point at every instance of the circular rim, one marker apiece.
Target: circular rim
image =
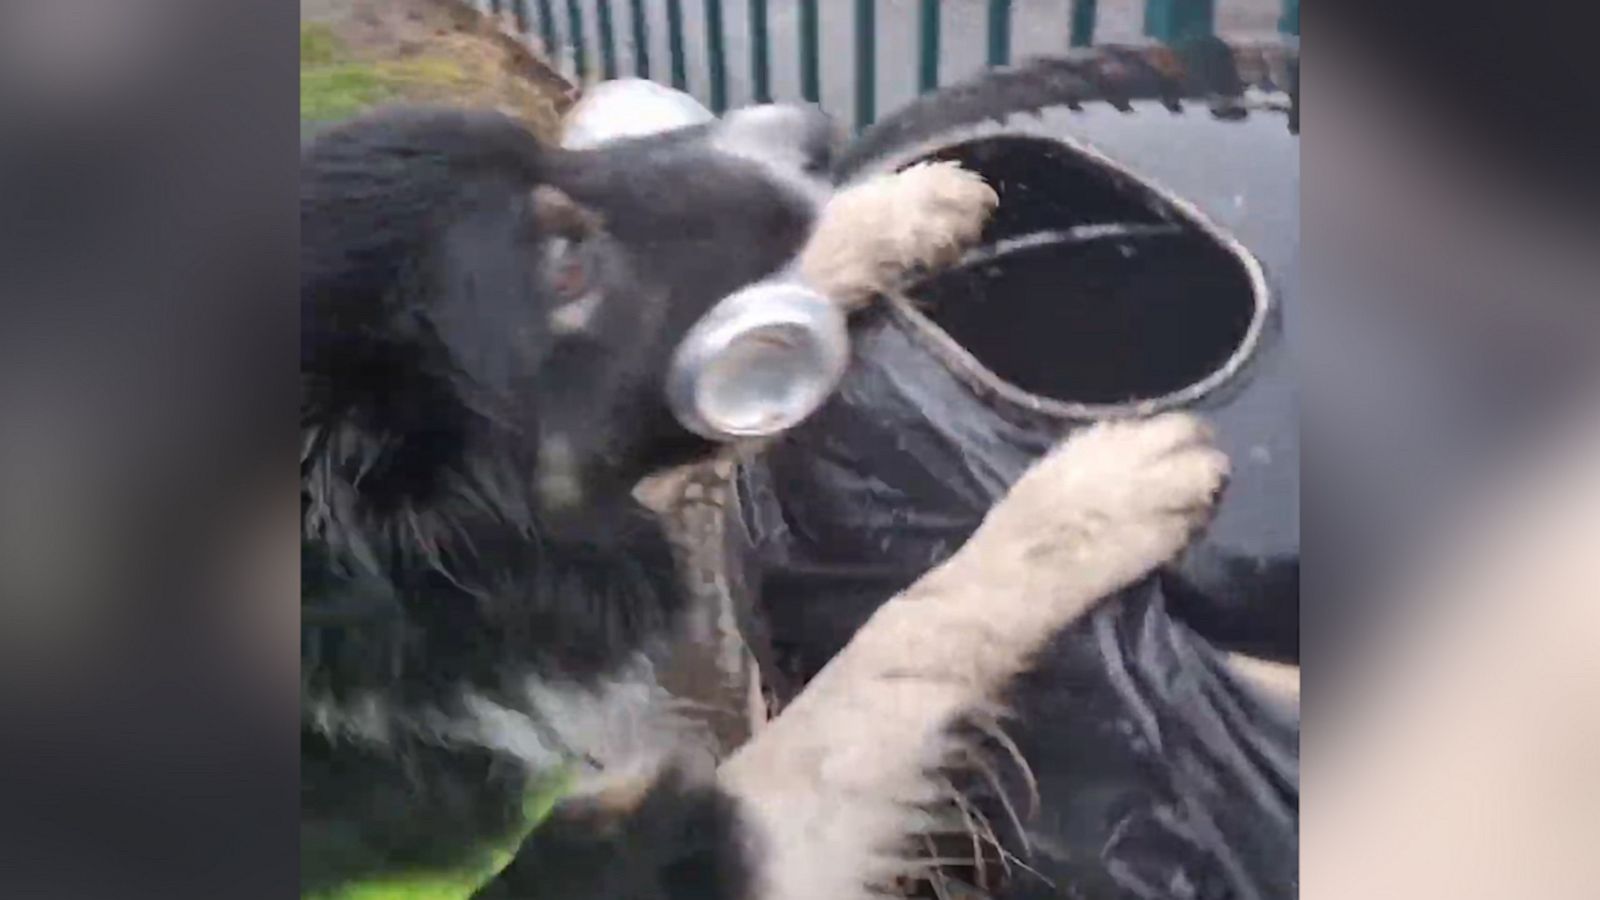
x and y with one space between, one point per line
968 367
797 337
755 310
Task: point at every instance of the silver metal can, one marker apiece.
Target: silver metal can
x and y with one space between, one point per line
759 363
629 107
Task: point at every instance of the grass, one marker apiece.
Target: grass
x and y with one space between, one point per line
460 69
319 46
339 90
458 885
332 84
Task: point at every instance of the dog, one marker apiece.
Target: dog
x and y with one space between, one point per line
486 326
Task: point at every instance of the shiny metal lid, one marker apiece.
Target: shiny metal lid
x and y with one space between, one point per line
759 363
629 107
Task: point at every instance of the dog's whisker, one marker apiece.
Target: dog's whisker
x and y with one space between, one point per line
978 829
974 759
989 725
936 879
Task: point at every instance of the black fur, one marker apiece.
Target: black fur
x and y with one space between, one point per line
681 841
431 377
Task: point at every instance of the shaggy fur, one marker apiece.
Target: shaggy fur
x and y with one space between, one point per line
481 592
486 327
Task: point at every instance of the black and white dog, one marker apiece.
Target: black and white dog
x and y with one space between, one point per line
487 324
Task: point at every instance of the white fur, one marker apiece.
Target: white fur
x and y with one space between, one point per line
575 317
872 235
618 729
559 484
833 784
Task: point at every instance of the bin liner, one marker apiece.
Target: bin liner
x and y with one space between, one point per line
1159 774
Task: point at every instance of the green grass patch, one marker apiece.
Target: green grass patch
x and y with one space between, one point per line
337 82
335 86
459 885
332 87
340 90
319 46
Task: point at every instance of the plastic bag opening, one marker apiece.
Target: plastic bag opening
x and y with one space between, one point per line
1090 288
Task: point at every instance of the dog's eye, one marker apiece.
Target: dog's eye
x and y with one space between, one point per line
571 279
568 274
567 271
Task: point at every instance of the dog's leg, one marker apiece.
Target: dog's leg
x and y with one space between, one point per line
872 235
831 786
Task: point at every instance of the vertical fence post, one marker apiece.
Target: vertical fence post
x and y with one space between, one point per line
1084 13
641 40
608 38
680 73
810 82
519 8
580 53
547 32
999 32
716 56
928 47
866 62
1289 22
1173 20
760 53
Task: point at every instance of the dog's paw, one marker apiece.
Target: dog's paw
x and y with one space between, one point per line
872 236
945 208
1110 503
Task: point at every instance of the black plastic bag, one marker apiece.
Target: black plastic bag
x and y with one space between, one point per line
1160 774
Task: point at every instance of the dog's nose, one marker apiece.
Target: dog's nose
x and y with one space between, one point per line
802 133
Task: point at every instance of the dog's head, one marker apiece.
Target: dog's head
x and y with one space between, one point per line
478 306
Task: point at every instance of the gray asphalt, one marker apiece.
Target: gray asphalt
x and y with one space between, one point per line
1039 26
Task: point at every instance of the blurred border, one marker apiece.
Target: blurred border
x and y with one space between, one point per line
1449 605
148 221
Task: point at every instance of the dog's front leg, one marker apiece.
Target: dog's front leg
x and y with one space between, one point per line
832 787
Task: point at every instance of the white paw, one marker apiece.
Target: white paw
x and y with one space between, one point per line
872 236
945 208
1111 502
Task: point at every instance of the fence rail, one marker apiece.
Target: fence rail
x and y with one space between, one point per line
536 20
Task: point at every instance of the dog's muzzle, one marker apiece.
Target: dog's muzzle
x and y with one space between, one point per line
767 356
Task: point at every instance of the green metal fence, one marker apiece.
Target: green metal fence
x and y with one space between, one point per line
1164 20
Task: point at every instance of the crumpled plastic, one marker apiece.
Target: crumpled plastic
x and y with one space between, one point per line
1160 776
